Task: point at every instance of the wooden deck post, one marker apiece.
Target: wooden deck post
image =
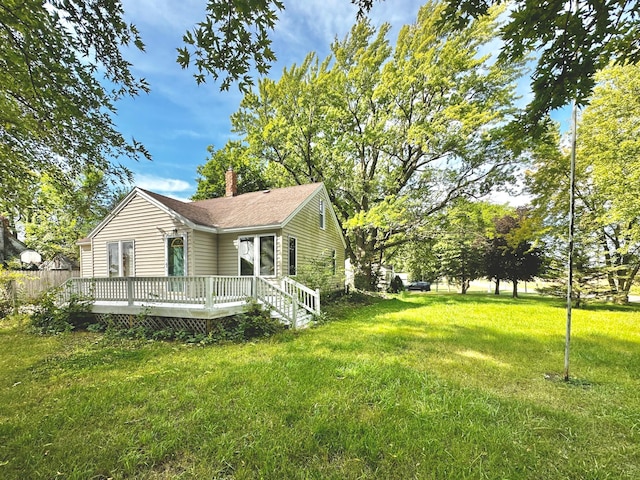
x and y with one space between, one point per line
294 312
208 295
130 290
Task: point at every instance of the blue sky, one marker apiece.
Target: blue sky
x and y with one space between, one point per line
178 119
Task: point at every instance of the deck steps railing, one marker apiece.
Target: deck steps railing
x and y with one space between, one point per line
307 298
292 301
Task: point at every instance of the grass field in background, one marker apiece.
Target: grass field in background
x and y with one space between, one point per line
417 386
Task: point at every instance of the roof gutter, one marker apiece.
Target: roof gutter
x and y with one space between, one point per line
261 228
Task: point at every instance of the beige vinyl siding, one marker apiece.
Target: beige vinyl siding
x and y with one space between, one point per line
86 261
204 258
145 224
228 254
313 241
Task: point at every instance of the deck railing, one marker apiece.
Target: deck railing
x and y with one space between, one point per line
277 300
205 292
308 299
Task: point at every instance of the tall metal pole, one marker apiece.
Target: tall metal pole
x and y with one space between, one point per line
572 203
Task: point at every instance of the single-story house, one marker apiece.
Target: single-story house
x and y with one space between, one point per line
271 233
206 259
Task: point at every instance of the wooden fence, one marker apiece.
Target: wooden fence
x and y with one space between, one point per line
34 282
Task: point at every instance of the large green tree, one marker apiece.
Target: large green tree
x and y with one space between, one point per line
61 213
461 244
571 45
61 72
512 252
395 134
251 175
607 184
57 111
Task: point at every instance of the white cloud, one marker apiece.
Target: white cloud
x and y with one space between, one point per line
160 184
188 134
315 20
167 15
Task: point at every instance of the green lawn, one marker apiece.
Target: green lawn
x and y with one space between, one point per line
420 386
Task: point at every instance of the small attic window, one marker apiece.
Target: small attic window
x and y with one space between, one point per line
322 215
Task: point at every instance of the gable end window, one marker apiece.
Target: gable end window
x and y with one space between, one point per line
322 215
120 258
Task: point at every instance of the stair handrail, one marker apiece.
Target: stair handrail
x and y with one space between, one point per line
307 298
279 294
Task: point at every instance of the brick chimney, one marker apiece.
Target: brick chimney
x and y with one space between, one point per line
231 179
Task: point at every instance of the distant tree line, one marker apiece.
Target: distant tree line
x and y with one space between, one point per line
474 240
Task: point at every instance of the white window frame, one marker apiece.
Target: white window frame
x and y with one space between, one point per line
334 262
166 253
256 254
323 216
120 265
295 258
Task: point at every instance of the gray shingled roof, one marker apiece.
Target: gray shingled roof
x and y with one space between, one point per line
188 210
255 209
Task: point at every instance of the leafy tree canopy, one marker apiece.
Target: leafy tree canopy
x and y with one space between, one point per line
461 243
512 252
395 134
571 44
61 214
234 39
211 175
61 72
607 185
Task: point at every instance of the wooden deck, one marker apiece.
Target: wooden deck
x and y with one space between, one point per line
203 297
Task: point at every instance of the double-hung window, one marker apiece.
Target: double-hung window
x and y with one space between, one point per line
293 256
257 255
120 258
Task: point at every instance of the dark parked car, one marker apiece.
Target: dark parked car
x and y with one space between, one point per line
422 286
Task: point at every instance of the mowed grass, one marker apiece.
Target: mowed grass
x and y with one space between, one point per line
419 386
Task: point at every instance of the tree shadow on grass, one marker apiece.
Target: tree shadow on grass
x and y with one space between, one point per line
610 307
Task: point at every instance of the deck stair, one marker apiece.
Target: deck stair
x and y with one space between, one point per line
293 303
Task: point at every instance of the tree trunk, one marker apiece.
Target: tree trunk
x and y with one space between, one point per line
497 290
515 288
621 298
